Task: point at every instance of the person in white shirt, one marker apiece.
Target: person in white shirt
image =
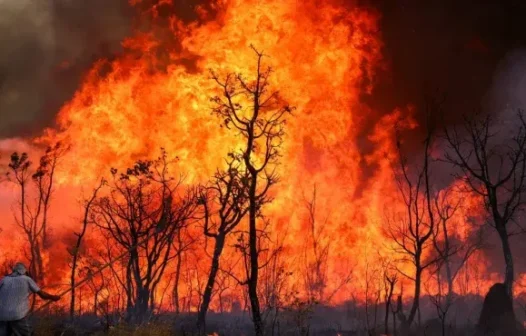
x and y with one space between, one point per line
15 290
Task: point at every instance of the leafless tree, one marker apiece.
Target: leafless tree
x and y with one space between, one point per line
250 107
439 299
412 232
32 215
96 283
223 284
225 204
275 290
75 251
142 214
494 170
452 251
116 269
316 252
182 244
373 292
390 278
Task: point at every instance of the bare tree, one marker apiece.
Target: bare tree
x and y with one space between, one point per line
32 215
182 244
494 170
225 205
142 214
316 252
258 114
390 279
274 292
452 251
373 293
412 232
75 252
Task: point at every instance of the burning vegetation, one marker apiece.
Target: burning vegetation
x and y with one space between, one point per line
226 167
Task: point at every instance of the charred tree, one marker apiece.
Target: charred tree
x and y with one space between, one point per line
319 247
32 215
412 233
86 219
452 252
225 204
142 214
182 245
390 279
495 170
179 262
251 108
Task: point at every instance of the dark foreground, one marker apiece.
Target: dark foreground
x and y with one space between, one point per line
472 316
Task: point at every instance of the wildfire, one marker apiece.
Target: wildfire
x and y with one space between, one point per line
324 56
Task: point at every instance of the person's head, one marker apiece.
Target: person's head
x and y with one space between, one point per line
20 268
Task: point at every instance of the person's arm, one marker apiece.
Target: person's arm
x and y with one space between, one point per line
47 296
44 295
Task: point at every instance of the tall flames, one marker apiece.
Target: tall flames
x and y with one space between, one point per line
157 95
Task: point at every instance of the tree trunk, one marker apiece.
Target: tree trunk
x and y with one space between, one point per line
80 301
142 293
416 298
39 261
443 320
254 262
96 303
72 282
176 284
508 259
395 332
141 305
388 307
201 319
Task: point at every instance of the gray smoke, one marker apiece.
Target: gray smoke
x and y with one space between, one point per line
505 98
46 45
508 93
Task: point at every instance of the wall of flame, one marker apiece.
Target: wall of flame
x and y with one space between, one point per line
325 55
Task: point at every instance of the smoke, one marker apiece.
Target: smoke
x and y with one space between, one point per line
46 46
504 99
509 85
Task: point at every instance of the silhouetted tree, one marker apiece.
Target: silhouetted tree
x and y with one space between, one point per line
250 107
412 232
452 252
142 214
75 251
225 204
495 170
182 244
32 215
316 252
390 278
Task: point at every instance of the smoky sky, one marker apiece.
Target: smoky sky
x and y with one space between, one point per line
451 46
447 47
46 47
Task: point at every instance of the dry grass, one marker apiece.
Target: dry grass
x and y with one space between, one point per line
47 327
159 329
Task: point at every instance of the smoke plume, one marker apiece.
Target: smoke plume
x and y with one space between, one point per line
46 46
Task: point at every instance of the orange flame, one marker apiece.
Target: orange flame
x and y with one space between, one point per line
324 56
